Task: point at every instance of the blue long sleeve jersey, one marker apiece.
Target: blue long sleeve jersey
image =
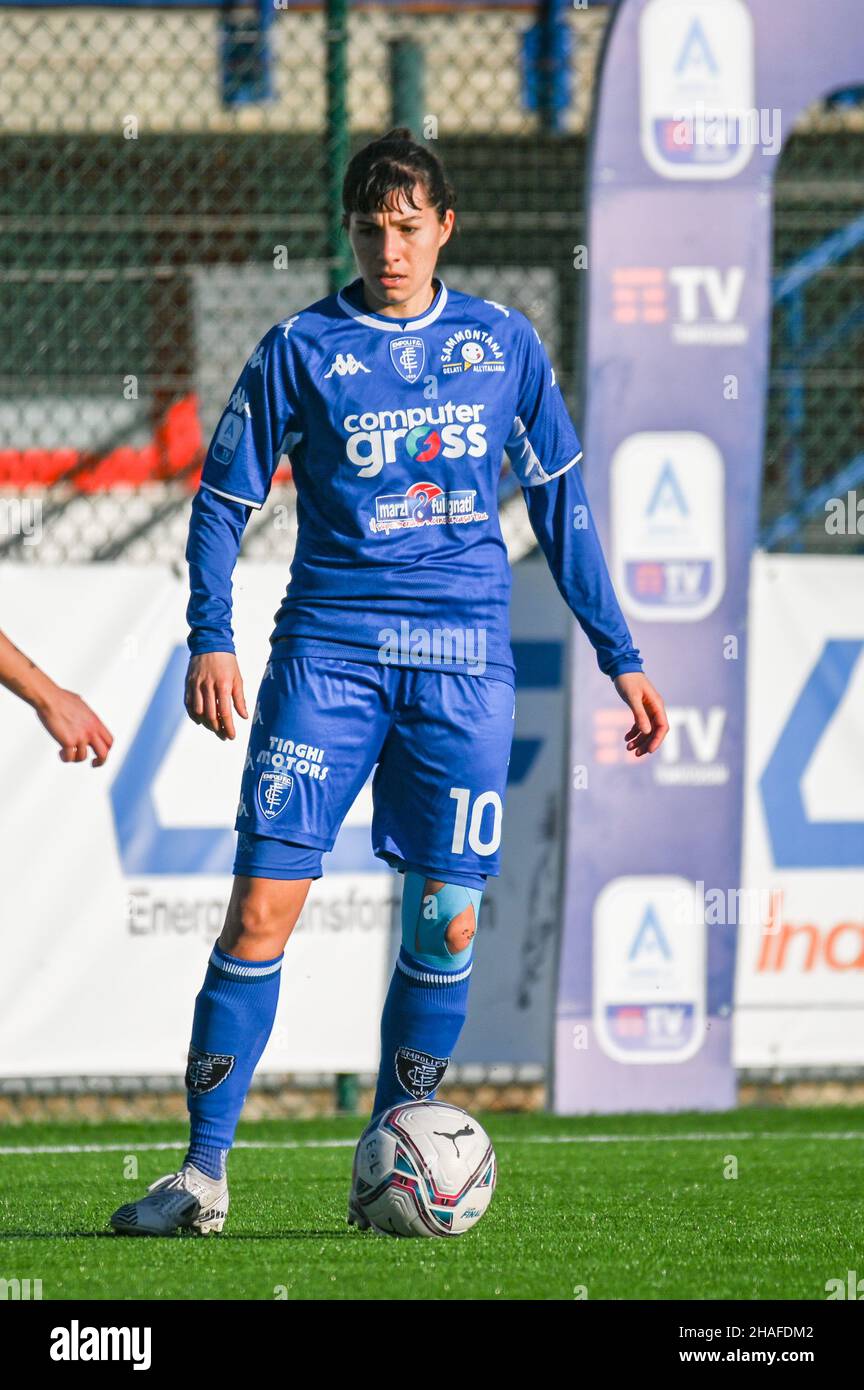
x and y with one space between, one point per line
396 431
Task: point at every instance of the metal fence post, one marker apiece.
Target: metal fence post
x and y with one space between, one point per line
338 252
407 84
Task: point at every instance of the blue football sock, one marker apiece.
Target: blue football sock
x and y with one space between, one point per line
234 1015
423 1016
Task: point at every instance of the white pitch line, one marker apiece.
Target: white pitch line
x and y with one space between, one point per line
132 1147
673 1138
725 1138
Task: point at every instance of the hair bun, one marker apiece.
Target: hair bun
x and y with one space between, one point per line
401 133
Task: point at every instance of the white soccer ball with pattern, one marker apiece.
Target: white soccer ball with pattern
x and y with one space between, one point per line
424 1169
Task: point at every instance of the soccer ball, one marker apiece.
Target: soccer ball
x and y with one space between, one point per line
424 1169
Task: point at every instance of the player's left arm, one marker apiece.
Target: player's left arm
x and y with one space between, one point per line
545 454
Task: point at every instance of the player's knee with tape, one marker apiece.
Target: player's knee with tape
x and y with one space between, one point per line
439 920
427 1001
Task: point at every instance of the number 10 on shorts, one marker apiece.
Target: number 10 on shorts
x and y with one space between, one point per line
462 797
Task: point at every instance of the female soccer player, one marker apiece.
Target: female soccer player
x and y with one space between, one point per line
395 400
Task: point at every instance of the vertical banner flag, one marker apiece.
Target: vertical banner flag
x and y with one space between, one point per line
694 100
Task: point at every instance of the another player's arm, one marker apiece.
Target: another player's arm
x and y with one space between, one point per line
67 718
235 480
545 453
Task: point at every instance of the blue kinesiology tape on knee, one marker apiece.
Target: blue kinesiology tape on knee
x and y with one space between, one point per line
426 917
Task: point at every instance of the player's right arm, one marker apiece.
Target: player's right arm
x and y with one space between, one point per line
255 429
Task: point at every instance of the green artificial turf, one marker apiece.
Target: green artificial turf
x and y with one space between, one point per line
642 1210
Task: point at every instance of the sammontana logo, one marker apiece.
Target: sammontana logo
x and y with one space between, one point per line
472 350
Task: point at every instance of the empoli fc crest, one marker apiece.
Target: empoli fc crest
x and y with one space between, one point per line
274 792
408 356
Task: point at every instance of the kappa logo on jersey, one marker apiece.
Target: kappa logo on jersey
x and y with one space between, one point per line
408 356
274 793
373 436
288 324
472 349
346 365
424 504
418 1073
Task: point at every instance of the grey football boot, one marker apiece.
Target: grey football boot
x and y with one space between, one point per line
186 1200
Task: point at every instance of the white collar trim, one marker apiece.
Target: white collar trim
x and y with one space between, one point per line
394 325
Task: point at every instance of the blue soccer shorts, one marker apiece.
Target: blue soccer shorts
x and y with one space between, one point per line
441 743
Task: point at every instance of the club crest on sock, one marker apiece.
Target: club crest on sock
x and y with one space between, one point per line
419 1073
207 1070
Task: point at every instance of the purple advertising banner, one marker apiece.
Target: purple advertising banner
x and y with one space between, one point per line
694 100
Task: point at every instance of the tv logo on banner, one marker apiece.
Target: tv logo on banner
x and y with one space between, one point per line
689 755
699 302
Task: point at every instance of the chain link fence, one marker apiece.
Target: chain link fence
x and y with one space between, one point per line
814 446
164 185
